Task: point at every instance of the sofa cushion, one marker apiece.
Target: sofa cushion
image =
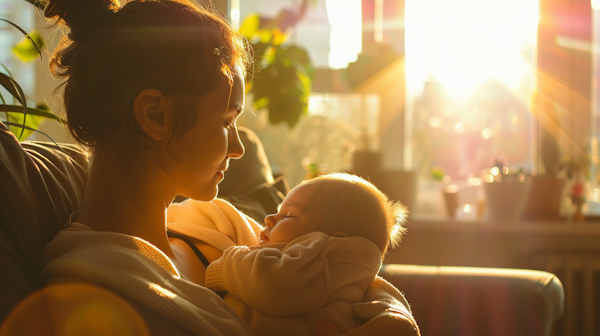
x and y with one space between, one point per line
40 187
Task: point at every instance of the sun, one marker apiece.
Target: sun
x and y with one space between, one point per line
463 42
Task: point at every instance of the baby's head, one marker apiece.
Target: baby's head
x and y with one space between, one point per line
339 205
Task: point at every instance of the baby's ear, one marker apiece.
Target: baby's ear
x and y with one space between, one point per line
339 234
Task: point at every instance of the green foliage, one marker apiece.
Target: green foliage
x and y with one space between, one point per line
32 122
27 51
21 119
438 173
284 85
283 75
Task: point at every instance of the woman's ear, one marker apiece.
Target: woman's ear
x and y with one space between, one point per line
152 111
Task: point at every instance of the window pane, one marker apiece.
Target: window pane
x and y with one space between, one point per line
470 76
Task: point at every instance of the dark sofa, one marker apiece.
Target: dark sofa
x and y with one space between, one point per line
41 185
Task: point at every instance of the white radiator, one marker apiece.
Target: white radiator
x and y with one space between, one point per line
579 272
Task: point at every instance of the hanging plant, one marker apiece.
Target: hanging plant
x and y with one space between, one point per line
283 75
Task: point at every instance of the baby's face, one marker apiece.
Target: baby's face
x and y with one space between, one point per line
293 219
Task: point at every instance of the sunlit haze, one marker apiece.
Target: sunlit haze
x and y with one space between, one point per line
463 42
345 42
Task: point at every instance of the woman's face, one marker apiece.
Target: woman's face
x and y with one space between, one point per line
197 160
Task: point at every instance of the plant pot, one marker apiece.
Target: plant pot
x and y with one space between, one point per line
506 200
401 186
368 166
545 198
451 200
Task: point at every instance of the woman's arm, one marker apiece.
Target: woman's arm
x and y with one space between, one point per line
393 321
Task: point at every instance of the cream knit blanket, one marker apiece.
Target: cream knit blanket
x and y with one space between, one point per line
217 223
139 272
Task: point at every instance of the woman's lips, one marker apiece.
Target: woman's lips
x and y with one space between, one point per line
221 174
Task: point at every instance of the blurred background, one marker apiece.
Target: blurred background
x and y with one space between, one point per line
415 93
480 115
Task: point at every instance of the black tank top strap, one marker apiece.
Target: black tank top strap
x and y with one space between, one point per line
220 293
191 244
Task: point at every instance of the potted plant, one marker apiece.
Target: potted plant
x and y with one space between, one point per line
22 118
506 191
283 72
547 186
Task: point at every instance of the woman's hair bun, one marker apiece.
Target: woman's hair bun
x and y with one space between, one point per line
83 17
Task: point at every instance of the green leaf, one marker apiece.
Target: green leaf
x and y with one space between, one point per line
35 130
260 49
34 118
282 82
7 72
286 88
33 122
260 103
266 36
28 49
250 26
12 87
41 110
300 56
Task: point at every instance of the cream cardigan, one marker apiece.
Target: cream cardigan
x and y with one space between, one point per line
286 288
139 272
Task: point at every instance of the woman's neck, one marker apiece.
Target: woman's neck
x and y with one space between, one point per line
133 204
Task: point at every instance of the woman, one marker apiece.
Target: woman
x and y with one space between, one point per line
154 88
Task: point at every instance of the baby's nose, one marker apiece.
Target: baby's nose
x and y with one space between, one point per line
270 221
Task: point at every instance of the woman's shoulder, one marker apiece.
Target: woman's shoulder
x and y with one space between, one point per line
79 243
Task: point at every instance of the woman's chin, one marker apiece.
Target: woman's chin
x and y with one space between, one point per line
206 195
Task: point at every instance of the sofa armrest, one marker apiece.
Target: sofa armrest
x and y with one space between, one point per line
40 187
467 301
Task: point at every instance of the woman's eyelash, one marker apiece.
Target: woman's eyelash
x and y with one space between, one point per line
228 124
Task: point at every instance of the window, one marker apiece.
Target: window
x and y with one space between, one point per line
337 125
470 68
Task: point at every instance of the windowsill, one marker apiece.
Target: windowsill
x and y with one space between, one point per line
434 222
436 241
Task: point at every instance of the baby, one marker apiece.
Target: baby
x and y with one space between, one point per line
339 205
317 259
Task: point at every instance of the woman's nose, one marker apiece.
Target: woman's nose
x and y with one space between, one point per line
270 221
235 148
